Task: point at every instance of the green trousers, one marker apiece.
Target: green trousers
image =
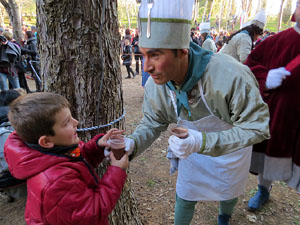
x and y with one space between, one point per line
184 210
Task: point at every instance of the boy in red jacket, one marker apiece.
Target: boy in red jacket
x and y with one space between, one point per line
62 186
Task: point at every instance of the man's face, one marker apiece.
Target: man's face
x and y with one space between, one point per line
162 64
65 129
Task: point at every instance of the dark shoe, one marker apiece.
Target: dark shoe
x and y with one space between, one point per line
259 199
137 72
223 219
127 77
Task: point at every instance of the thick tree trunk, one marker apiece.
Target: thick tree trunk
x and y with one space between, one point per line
70 40
12 9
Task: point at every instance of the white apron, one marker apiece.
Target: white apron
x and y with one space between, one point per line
202 177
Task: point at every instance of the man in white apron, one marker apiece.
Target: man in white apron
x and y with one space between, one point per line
213 95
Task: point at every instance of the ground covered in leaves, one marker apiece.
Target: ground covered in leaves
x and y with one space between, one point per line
154 188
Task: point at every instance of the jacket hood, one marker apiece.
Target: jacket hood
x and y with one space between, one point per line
24 162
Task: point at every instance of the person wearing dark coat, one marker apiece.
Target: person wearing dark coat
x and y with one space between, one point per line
127 58
137 54
31 45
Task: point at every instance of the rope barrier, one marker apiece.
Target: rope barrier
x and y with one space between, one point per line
102 126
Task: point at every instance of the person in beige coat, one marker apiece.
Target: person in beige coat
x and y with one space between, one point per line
208 42
240 44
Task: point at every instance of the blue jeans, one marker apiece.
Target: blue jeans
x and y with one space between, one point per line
14 80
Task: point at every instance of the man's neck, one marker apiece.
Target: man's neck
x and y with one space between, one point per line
183 70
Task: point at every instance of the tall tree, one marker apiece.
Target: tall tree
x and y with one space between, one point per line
280 15
221 13
204 11
246 7
73 35
287 11
12 9
229 10
211 8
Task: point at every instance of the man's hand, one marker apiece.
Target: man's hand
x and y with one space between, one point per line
102 142
275 77
182 148
129 145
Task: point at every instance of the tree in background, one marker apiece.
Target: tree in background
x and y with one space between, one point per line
71 64
280 15
12 9
287 12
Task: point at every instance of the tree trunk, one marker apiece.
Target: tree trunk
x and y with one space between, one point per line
204 11
2 17
195 11
70 46
229 10
128 16
211 8
280 16
12 9
221 14
264 4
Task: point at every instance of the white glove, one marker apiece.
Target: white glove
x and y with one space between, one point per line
275 77
182 148
129 145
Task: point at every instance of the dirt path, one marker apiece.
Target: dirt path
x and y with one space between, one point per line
154 188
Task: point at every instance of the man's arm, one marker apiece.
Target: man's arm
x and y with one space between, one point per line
158 112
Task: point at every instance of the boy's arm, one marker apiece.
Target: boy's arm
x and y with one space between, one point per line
91 152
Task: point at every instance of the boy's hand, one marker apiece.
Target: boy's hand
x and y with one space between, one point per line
122 163
102 142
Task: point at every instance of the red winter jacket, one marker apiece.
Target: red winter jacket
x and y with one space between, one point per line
63 190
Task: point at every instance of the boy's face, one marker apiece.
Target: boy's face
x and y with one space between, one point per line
65 129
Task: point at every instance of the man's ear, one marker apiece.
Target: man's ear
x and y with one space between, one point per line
45 142
183 52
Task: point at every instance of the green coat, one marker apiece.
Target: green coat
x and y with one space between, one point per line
231 92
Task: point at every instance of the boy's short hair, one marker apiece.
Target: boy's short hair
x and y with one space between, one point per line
33 115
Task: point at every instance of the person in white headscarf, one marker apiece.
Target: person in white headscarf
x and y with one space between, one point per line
212 95
207 40
240 44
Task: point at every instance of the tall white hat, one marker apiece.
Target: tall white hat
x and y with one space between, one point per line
169 24
260 19
205 28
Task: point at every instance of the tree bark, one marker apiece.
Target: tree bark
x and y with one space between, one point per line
70 46
12 9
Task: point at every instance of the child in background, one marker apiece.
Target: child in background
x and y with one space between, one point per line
10 187
62 186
